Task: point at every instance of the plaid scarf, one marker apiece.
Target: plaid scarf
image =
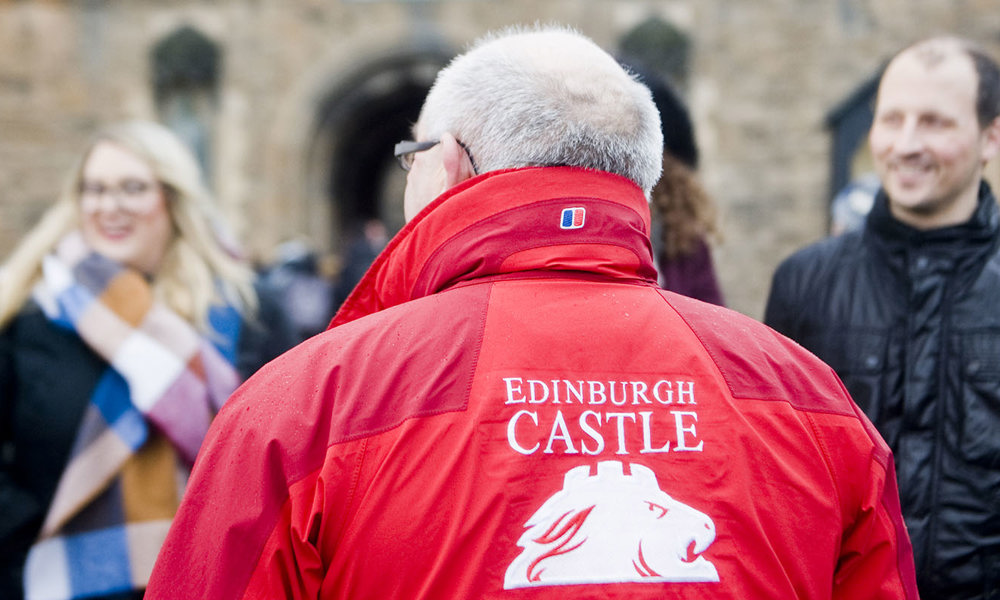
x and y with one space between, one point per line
121 487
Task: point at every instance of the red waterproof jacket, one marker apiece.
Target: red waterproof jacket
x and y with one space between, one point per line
508 407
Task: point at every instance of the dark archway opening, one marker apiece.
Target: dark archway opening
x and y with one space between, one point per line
364 119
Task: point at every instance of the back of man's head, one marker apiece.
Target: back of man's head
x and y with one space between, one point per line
546 97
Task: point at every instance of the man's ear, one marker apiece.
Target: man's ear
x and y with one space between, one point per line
991 147
457 164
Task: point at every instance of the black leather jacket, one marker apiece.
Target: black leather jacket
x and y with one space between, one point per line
910 320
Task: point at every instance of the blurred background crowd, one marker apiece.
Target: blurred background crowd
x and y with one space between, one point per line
292 107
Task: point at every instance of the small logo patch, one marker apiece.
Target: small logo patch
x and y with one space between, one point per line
573 218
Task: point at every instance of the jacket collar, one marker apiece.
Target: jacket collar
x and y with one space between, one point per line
981 228
514 223
961 251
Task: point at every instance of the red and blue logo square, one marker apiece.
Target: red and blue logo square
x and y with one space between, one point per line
572 218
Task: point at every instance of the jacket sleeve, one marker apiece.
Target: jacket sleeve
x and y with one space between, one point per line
6 400
782 304
19 510
876 558
234 535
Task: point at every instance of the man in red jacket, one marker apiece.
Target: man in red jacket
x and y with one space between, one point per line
507 406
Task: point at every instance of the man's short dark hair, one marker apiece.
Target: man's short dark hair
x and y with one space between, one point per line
933 51
988 90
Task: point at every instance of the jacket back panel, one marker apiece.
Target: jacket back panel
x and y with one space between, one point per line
505 433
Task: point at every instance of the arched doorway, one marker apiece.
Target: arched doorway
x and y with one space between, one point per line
360 122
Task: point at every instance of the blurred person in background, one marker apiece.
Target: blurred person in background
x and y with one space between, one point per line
361 253
685 215
907 308
851 205
302 288
125 323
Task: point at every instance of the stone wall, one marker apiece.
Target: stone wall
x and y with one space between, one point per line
764 76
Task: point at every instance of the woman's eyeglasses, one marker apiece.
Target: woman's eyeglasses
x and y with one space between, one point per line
131 195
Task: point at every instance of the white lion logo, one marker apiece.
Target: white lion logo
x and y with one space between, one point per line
612 528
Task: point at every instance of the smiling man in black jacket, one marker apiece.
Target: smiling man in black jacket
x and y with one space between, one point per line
907 311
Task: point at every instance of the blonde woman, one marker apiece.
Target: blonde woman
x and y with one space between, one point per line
124 325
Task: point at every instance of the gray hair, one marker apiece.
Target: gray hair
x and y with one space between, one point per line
546 97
